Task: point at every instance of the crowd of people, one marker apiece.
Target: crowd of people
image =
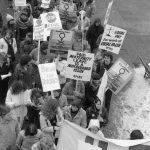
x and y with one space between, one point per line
29 117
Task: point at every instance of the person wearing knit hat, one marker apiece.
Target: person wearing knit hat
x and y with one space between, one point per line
75 113
9 17
94 127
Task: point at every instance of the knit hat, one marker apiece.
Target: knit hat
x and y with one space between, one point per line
4 109
44 46
77 102
9 17
94 123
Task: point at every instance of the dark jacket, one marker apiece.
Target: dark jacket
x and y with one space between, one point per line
92 113
1 21
93 33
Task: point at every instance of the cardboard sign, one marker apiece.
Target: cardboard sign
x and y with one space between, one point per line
79 65
102 87
108 12
45 3
38 30
119 75
49 77
60 41
87 146
66 10
51 21
20 2
112 39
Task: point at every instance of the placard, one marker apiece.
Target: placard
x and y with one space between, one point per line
66 10
20 2
79 65
108 12
112 39
49 77
119 75
86 146
102 87
38 30
45 3
60 41
51 21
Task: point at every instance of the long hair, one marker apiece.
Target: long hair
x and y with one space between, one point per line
31 130
49 108
17 87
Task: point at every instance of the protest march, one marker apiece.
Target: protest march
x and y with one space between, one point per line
68 79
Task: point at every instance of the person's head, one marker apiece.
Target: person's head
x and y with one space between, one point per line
44 47
76 104
24 16
97 103
96 79
73 82
94 126
136 134
37 96
25 60
4 111
29 36
3 57
57 93
97 22
49 108
11 23
18 86
108 58
9 34
31 130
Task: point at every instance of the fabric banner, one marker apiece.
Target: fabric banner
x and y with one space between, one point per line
112 39
72 135
102 87
51 21
60 41
79 65
119 75
38 30
20 2
49 77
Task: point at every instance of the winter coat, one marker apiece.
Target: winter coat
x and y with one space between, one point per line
79 119
26 142
9 131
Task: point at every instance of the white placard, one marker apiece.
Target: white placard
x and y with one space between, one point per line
51 21
20 2
102 87
108 12
87 146
112 39
79 65
49 77
119 75
38 30
45 3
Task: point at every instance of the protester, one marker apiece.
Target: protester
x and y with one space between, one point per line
75 113
8 45
28 137
9 129
5 74
91 89
136 134
94 31
97 111
74 88
23 71
18 97
94 127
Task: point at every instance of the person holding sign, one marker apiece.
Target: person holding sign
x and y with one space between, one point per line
71 90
